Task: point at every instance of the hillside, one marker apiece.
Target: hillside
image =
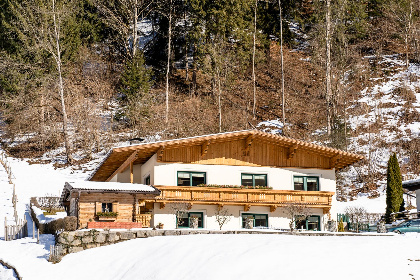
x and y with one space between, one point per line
193 74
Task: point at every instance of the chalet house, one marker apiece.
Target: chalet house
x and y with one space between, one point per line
94 203
252 175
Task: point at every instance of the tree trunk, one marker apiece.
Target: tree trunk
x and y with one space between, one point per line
282 71
169 63
328 94
57 57
219 100
135 35
253 60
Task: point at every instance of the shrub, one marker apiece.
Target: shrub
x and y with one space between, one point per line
341 226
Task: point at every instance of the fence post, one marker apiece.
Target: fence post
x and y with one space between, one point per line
5 228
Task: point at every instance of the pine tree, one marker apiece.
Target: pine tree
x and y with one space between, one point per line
394 191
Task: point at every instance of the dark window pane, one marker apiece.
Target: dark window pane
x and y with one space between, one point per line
261 221
200 218
247 180
298 182
183 220
312 184
260 180
147 180
244 216
313 223
198 178
183 179
106 207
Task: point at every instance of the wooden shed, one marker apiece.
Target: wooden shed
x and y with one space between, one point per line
107 204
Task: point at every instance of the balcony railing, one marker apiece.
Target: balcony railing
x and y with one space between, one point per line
205 195
144 219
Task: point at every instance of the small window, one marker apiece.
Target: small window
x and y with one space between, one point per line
185 219
259 220
254 180
106 207
306 183
147 180
311 223
186 178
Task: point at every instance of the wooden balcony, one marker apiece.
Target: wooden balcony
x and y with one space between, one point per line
244 197
144 219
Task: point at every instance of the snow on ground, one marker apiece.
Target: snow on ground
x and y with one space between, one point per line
241 256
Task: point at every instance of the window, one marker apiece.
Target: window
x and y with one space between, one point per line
147 180
185 219
186 178
259 220
306 183
254 180
106 207
311 223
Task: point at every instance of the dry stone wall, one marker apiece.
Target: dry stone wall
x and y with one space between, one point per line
76 241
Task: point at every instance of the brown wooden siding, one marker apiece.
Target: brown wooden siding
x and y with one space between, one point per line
126 205
233 153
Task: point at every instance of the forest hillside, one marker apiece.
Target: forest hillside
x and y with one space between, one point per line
79 76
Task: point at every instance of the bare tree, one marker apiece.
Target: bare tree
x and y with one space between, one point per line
296 212
223 216
328 93
253 58
179 209
282 70
356 215
40 25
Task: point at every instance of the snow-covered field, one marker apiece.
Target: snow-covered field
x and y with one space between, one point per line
227 257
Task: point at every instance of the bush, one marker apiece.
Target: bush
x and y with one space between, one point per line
341 226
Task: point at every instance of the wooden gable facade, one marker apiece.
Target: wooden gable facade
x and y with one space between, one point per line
243 148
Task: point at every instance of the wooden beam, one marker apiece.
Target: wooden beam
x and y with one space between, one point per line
334 161
220 206
292 151
162 205
123 166
248 144
131 173
189 206
273 208
247 207
204 149
159 153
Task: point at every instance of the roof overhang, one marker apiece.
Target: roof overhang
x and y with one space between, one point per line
411 185
140 153
106 187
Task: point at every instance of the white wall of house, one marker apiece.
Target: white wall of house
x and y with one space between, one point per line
276 220
278 178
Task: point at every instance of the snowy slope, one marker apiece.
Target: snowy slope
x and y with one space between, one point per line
228 257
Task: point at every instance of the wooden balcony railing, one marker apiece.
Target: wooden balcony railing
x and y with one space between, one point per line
144 219
231 196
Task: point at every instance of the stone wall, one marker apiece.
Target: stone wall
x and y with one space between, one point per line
76 241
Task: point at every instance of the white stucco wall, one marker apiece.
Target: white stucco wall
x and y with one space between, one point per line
277 219
418 199
278 178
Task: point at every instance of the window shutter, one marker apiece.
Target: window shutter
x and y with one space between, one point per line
115 207
98 207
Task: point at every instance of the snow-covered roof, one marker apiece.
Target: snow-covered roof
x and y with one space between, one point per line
411 185
110 187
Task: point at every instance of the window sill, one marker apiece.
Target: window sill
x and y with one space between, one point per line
100 218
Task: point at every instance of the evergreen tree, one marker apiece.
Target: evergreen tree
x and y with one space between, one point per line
394 191
135 80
